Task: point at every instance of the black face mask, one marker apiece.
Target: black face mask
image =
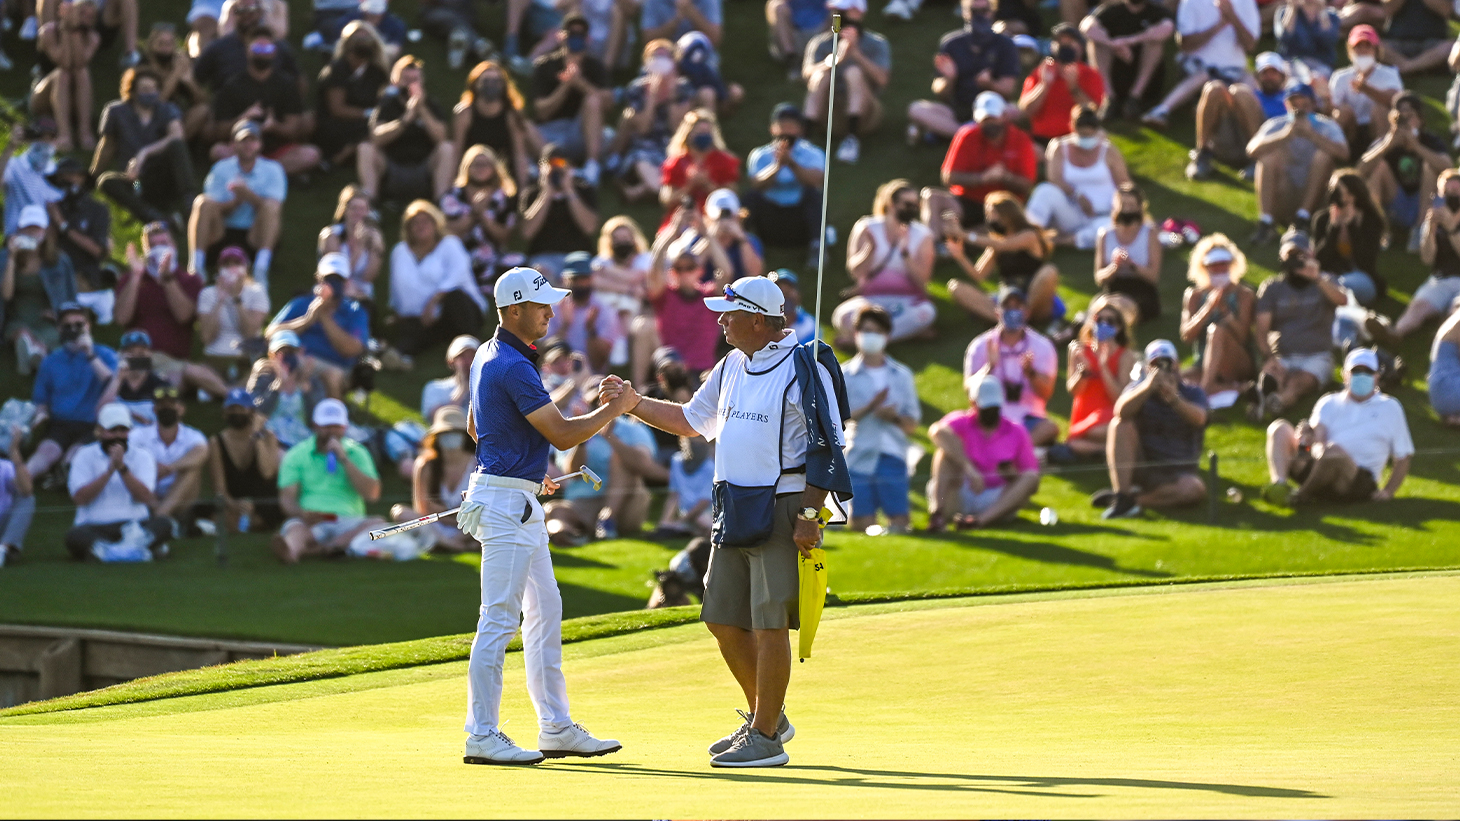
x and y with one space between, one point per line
107 442
261 63
167 417
1128 218
491 89
1066 54
238 421
907 213
1452 202
989 417
581 294
139 363
623 250
996 226
992 131
70 333
164 60
362 50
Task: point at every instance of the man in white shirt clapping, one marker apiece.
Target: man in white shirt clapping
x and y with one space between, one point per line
113 487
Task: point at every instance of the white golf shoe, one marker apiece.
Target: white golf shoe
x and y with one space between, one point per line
496 748
575 740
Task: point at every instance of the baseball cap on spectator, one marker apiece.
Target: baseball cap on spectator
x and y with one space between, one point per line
131 339
520 285
1273 60
1293 242
1216 254
722 199
1007 292
238 398
574 19
787 111
34 216
988 391
448 418
64 166
1161 349
1363 33
847 5
666 355
578 264
114 415
1299 90
988 105
1065 30
283 339
784 275
461 345
232 254
247 129
1361 358
372 6
331 412
756 295
72 308
333 263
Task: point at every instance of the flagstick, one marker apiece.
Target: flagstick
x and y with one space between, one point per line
836 27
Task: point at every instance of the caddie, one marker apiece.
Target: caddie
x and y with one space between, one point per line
780 452
513 421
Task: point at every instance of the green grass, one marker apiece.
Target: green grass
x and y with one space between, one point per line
1243 701
341 603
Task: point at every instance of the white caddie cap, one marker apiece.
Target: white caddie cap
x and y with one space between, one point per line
847 5
114 415
722 199
756 295
1271 59
988 104
461 345
1162 349
1217 253
34 216
1361 358
333 263
330 412
283 339
988 391
521 284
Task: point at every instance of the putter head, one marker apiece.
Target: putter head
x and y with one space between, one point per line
592 478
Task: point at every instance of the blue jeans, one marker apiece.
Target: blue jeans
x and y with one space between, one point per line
1444 379
1362 285
885 489
15 522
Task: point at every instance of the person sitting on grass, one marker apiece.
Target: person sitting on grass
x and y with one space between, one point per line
112 486
180 451
890 259
1337 455
623 454
68 388
863 69
332 327
1100 361
286 387
1155 440
1294 154
243 461
17 502
409 154
1016 251
1227 115
691 487
1403 165
1062 81
1085 169
1023 360
1439 294
231 314
1294 329
985 469
986 156
1348 235
453 389
1216 316
1444 377
885 409
242 200
439 478
324 483
1128 252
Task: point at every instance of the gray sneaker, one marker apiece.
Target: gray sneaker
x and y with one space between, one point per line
753 749
784 732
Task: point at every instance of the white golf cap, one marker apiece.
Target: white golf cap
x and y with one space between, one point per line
722 199
988 391
1217 253
682 245
1361 358
756 295
283 339
114 415
1271 59
521 284
1162 349
331 412
988 104
372 6
847 5
334 263
461 345
34 216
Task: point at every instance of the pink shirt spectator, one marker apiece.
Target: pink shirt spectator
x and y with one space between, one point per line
1010 370
1008 443
689 326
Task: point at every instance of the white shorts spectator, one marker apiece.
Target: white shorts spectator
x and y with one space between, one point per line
911 315
976 503
1050 207
327 532
1320 365
1439 292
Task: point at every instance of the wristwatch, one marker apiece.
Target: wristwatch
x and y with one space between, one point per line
809 514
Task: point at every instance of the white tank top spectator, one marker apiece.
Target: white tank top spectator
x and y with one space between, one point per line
432 291
1084 170
890 258
1128 252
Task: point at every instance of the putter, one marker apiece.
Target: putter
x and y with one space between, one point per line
585 472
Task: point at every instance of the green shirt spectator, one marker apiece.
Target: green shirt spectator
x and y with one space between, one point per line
324 487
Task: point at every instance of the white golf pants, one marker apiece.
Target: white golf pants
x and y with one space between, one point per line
517 584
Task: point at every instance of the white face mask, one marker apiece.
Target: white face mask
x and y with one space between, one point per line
1221 280
1088 143
660 65
871 342
1363 62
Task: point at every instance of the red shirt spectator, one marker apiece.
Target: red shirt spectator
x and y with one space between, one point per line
721 167
684 322
972 152
153 313
1052 119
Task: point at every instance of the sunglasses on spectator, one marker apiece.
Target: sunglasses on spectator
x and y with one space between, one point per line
74 326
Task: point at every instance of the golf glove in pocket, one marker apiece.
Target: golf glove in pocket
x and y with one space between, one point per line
469 517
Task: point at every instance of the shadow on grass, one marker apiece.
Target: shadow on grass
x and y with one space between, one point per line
1052 553
566 558
1033 786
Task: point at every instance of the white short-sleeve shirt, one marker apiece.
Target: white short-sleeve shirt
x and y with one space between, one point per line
1223 50
1385 78
115 502
150 440
1371 432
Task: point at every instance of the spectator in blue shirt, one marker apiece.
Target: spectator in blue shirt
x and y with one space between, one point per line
798 318
700 64
68 389
969 61
786 174
1307 31
672 18
242 200
623 454
333 327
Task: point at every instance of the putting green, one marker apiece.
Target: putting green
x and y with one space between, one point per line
1324 699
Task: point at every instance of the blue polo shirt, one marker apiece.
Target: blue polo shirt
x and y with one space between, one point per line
505 388
350 316
786 191
68 386
974 48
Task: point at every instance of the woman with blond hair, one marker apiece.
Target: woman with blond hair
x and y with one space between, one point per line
1099 365
698 163
1016 251
481 209
347 91
890 259
432 291
491 112
619 270
356 234
1216 316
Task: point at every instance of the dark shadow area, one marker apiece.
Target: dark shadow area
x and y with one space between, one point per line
586 601
564 558
1051 553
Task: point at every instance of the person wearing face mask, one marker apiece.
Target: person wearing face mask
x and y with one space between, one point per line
558 212
38 278
889 260
984 469
142 161
1063 81
588 323
1214 38
1128 253
1084 170
481 210
1023 360
1016 253
227 56
1363 92
1294 329
654 104
885 409
698 163
1127 43
988 155
969 60
571 96
432 291
242 204
356 236
491 113
1216 319
1403 166
1337 455
348 90
409 154
621 267
137 379
265 95
112 485
180 452
286 386
1228 114
786 175
1100 363
173 66
1439 295
69 385
243 461
1294 155
25 175
232 312
675 288
83 231
439 477
863 69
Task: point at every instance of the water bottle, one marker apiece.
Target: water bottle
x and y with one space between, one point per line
1048 517
243 523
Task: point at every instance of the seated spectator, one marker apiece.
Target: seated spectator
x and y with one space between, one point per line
1156 439
1128 253
1444 376
455 21
432 291
25 176
986 157
1294 154
286 386
440 476
202 20
725 227
863 66
984 469
142 162
324 483
623 454
263 94
792 24
37 281
408 155
666 19
137 380
1416 33
67 45
1100 362
1023 360
619 272
1403 166
699 62
231 315
1229 114
1016 253
691 488
571 95
1063 81
242 200
890 260
1294 329
1439 250
786 175
113 486
969 61
1127 44
565 375
559 212
885 409
1348 234
1214 39
83 233
68 388
1217 313
331 327
355 234
227 56
347 92
453 389
1337 455
481 211
654 104
272 13
1307 32
1084 170
243 461
179 451
679 279
17 502
492 113
586 322
798 318
389 27
698 164
1363 92
173 67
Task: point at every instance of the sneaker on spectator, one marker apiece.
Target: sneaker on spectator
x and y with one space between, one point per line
28 28
1102 498
1265 233
1123 506
898 9
914 133
1200 167
590 172
456 46
850 150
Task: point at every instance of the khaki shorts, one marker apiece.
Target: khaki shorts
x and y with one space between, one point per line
757 588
